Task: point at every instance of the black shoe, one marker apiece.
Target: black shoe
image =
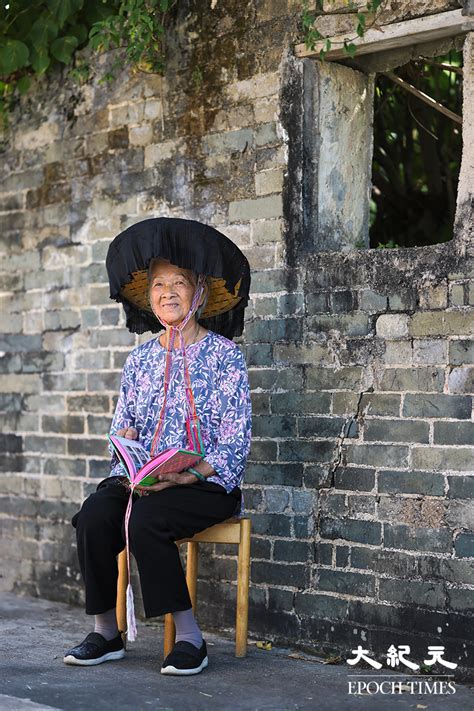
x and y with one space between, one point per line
95 649
185 659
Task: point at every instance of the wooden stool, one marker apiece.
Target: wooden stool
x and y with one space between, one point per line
232 531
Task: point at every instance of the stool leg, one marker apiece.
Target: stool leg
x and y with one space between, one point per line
121 605
192 570
170 634
243 571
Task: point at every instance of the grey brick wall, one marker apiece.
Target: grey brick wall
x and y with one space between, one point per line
359 482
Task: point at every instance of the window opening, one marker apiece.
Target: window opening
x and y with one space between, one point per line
417 152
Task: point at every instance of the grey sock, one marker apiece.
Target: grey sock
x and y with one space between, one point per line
187 629
106 624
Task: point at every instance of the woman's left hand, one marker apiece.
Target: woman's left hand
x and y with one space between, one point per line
167 480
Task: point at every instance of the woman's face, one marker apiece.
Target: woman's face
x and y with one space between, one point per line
171 291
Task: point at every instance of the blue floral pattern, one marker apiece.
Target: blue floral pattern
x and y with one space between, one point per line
221 391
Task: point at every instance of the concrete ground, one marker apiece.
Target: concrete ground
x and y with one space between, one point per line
36 633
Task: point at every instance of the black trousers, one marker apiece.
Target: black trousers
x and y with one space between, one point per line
157 520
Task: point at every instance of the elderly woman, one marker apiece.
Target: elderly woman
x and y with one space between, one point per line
181 503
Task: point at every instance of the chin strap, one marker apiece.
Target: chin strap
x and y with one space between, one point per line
192 428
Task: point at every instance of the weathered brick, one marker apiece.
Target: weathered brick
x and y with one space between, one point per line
461 351
396 430
345 582
271 573
254 209
453 433
352 530
464 545
380 404
273 426
263 451
461 380
271 378
299 403
325 427
292 551
461 487
442 458
88 403
354 478
87 447
376 454
441 323
429 350
276 500
421 405
331 379
274 330
419 379
63 424
411 482
421 593
297 450
277 474
271 525
419 539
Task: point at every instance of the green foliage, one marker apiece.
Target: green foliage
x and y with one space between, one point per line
417 155
364 20
38 35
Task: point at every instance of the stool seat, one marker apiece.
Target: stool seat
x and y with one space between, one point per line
234 530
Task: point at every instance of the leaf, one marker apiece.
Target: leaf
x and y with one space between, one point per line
62 9
23 84
42 32
40 60
79 31
13 55
350 49
264 645
164 5
63 47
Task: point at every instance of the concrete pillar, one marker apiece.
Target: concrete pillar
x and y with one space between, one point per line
338 146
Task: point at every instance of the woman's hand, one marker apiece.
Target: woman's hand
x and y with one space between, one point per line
167 480
128 433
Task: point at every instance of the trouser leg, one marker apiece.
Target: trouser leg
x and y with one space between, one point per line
159 519
99 540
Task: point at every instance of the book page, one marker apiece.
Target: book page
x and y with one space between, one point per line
134 451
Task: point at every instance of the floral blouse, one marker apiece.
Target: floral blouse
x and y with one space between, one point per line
221 392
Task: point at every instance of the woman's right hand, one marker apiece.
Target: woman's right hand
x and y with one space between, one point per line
128 433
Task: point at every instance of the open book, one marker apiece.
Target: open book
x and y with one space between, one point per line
140 467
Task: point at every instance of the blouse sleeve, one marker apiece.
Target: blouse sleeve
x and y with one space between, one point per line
125 413
228 454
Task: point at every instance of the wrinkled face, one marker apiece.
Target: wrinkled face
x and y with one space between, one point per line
171 291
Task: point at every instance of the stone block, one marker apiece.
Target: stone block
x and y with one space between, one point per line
268 181
434 297
396 431
254 209
406 537
398 352
419 379
461 351
276 500
351 530
392 326
461 380
437 405
461 487
464 545
410 482
453 433
429 350
442 323
227 142
256 87
378 455
419 593
456 295
442 458
345 582
370 301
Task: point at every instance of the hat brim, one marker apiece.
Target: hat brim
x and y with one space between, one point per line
220 299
